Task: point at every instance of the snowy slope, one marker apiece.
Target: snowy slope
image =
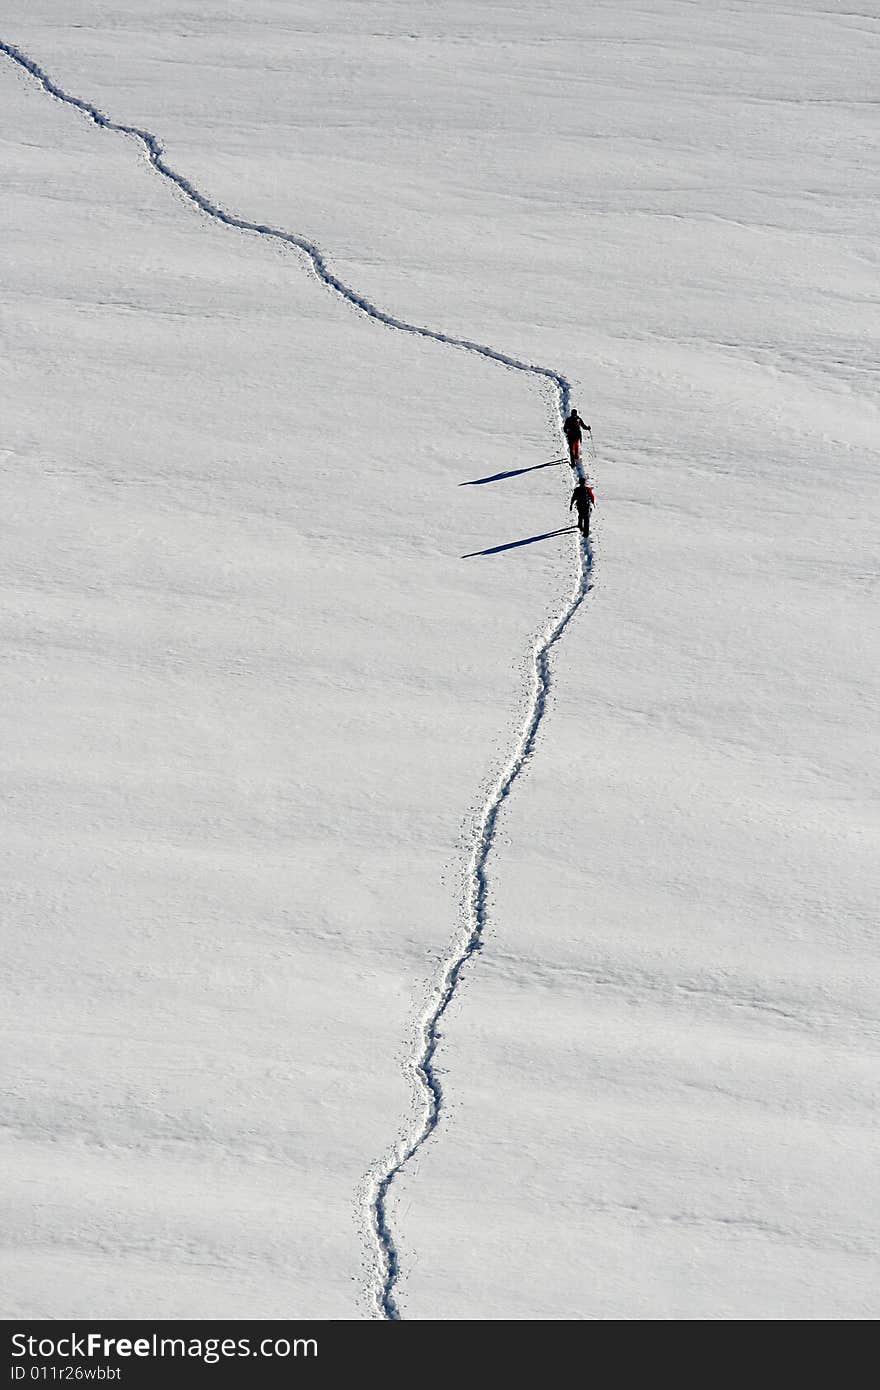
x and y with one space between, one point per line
240 643
254 709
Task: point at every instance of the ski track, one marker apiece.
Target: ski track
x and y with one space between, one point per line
478 901
421 1066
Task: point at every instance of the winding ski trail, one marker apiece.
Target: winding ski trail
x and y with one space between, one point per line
422 1064
478 898
156 154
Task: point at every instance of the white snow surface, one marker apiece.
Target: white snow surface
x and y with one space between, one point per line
254 699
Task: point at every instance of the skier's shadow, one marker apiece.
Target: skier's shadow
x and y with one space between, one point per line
514 545
514 473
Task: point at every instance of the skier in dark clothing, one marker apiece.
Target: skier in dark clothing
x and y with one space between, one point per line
571 428
583 498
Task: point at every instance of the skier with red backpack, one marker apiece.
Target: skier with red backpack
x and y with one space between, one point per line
571 428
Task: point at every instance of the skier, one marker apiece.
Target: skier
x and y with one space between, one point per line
583 498
571 428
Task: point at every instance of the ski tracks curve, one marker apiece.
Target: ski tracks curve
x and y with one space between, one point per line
421 1066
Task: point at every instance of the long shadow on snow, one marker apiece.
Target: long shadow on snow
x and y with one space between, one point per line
514 473
514 545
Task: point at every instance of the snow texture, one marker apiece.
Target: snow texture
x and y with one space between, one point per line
390 931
